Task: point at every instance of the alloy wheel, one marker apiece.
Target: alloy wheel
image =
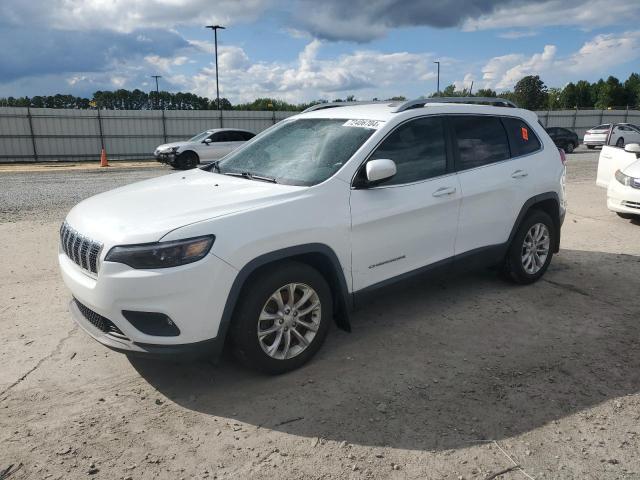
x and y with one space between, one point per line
289 321
535 248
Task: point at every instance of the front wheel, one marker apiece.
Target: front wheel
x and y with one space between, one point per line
283 318
531 250
186 161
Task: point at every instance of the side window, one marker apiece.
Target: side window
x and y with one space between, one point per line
418 148
217 137
521 136
481 140
235 137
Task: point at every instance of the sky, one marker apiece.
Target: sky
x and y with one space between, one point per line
302 50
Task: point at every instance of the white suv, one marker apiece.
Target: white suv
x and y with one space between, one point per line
272 243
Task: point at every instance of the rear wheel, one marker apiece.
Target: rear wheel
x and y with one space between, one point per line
282 318
591 147
186 161
570 147
620 142
530 251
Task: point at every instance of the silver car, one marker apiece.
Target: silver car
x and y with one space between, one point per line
205 147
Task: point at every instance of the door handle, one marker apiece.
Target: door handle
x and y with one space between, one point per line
443 191
519 174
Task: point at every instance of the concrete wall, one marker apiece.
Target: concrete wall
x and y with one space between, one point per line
46 134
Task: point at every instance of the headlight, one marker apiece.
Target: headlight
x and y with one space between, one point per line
169 150
623 179
162 254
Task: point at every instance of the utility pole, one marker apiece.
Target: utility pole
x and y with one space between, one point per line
438 88
157 91
215 29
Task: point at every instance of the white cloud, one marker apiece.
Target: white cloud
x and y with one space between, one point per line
165 64
129 15
597 56
465 83
365 73
515 34
582 13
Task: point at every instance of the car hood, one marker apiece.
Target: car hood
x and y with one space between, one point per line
633 170
169 145
146 211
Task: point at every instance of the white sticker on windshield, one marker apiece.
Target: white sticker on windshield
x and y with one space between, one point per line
364 123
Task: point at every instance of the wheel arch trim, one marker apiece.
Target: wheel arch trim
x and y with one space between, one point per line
344 302
532 202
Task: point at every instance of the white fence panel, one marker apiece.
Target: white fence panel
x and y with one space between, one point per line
46 134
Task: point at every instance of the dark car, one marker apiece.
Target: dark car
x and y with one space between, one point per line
563 138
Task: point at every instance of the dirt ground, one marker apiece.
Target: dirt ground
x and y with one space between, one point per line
453 379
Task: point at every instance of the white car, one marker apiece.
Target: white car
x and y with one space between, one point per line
619 173
291 231
207 146
622 134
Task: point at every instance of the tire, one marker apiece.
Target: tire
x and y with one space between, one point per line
626 216
591 147
186 161
570 147
522 271
620 143
259 299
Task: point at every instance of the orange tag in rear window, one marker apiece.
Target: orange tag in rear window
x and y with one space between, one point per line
525 134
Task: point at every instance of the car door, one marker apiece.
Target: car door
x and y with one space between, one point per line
494 183
217 148
410 220
234 140
632 135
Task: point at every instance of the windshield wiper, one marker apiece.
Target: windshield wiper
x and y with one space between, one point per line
251 176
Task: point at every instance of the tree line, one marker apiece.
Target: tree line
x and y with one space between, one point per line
530 92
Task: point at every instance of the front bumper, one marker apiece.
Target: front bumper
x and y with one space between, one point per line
167 158
212 347
193 296
623 198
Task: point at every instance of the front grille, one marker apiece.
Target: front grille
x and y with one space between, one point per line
101 323
629 204
81 250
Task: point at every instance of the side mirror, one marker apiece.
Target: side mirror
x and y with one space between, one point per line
380 170
632 147
207 141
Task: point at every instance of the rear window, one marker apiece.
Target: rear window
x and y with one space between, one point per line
604 126
480 139
522 138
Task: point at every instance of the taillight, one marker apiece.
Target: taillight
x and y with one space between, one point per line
563 156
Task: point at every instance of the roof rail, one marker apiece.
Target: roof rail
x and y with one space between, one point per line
322 106
495 101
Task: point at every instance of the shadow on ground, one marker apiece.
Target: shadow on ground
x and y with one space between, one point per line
439 365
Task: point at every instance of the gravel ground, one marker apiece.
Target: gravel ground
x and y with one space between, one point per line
453 379
38 195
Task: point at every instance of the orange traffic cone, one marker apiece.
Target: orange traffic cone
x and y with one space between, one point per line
103 159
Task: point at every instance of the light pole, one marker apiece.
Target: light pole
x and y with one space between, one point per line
438 88
215 29
157 91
